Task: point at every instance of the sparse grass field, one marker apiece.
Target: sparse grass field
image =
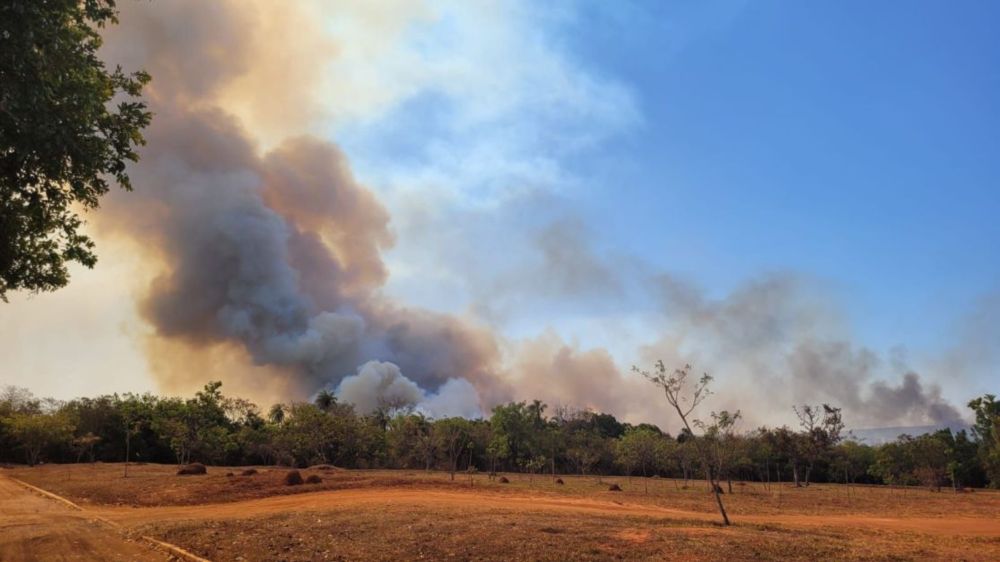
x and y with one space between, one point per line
392 515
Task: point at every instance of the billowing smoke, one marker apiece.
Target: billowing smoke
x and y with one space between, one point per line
771 343
269 272
777 341
280 254
381 386
848 378
276 253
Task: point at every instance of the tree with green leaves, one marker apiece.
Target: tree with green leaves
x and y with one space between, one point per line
68 127
136 413
584 449
851 460
639 448
34 432
513 427
308 435
497 448
894 462
452 438
407 437
963 466
930 459
987 433
325 400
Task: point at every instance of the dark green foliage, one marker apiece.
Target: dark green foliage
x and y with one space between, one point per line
68 126
987 434
212 428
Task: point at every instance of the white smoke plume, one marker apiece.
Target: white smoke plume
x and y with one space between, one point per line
380 385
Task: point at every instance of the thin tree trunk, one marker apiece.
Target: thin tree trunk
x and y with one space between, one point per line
777 468
718 500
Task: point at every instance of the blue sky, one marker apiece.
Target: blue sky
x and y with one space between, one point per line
851 143
855 141
795 193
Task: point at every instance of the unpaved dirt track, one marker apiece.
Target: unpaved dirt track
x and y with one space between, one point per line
345 499
33 528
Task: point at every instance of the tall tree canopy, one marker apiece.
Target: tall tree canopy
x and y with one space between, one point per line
68 126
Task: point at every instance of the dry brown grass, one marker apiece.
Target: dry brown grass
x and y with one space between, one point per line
154 484
149 485
431 516
406 532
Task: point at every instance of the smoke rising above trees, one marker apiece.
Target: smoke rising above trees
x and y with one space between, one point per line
266 267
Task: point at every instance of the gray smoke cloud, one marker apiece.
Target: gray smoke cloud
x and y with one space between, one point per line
277 253
772 342
274 255
848 378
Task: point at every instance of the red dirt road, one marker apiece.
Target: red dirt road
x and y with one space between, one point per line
33 528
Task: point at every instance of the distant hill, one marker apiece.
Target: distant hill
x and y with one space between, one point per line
880 435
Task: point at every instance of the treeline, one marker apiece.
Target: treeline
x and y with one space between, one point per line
518 437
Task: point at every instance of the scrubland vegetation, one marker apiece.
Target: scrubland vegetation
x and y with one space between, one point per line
215 429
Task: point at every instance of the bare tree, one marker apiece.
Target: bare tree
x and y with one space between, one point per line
821 431
684 403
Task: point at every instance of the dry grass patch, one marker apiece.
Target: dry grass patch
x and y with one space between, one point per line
401 532
152 484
